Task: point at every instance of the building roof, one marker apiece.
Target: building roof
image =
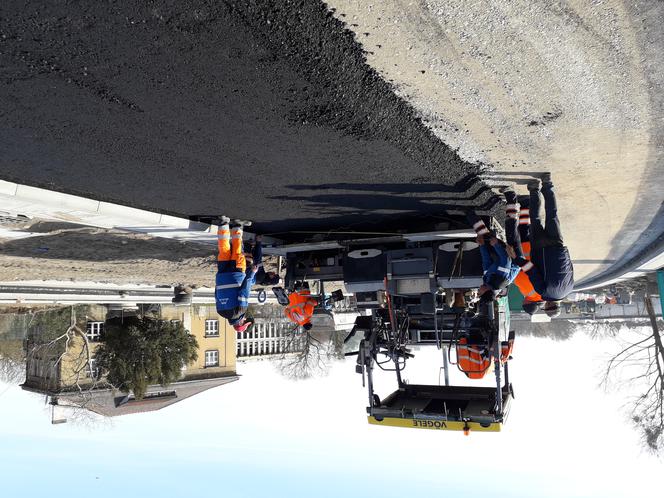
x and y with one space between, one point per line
110 403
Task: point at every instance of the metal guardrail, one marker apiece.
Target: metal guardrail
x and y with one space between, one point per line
644 257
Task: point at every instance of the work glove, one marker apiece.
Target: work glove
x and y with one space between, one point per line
520 261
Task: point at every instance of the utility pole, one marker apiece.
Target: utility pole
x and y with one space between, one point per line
660 284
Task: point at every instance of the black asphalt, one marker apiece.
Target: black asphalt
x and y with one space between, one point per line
263 110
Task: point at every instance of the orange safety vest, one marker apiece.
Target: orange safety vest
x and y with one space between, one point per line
301 307
475 360
523 282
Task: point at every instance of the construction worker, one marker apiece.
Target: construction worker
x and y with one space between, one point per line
517 228
499 271
550 269
475 358
234 279
300 307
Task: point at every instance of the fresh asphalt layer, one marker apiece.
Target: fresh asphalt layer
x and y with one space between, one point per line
260 110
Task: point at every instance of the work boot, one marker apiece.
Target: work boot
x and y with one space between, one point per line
459 301
510 195
535 185
242 223
478 225
546 179
211 220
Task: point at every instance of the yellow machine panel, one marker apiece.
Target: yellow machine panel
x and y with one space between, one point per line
437 425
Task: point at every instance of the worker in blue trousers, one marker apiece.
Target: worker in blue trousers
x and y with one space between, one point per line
550 267
499 269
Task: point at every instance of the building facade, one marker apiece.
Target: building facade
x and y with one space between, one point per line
57 363
215 337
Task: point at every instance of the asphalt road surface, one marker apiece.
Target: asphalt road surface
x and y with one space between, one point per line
260 110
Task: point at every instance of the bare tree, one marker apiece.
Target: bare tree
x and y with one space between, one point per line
305 356
643 362
77 409
12 361
63 362
72 345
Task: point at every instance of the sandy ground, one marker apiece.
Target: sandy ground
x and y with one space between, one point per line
570 87
92 254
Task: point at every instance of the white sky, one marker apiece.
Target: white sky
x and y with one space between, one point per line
267 436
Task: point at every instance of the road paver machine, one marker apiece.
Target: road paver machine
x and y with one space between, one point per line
417 290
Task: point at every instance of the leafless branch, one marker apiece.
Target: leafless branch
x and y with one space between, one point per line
647 410
50 356
305 356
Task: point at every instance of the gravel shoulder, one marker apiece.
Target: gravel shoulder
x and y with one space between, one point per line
109 256
533 85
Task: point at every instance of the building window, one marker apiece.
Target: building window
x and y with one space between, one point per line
93 369
211 328
212 358
94 330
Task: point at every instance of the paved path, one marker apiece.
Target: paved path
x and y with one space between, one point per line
538 85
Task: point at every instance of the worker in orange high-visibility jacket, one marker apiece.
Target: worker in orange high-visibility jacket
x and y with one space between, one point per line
300 307
475 360
517 228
